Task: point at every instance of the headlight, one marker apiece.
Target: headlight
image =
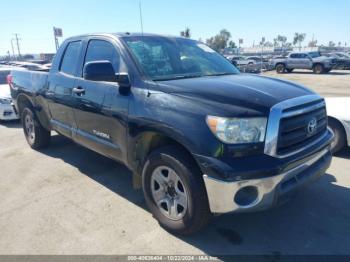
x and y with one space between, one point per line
238 130
5 101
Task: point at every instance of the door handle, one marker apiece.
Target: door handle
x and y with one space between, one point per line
79 90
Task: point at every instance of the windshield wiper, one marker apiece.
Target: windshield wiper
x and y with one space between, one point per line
177 77
221 74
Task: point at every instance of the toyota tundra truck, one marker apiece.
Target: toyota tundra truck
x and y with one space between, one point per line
310 60
199 137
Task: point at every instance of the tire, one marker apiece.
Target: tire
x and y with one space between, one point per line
289 70
339 141
318 69
36 135
280 68
161 167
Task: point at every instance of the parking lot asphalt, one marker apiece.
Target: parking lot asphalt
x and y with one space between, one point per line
69 200
335 83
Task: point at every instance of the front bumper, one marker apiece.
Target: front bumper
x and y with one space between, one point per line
7 112
270 190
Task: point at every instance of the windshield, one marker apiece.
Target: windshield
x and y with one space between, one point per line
164 58
314 54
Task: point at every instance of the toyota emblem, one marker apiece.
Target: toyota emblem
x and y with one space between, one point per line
312 126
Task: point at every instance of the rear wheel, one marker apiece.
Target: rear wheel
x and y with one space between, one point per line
174 191
318 69
36 135
280 68
339 141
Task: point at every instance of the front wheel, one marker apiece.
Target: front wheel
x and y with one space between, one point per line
36 135
280 68
318 69
174 191
339 141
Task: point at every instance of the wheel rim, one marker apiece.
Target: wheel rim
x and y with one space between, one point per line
29 128
280 69
318 69
169 193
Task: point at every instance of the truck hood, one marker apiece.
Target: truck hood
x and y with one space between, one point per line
5 91
249 91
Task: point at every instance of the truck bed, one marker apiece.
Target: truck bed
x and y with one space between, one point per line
29 82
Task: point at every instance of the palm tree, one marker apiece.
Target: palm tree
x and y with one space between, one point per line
299 38
186 33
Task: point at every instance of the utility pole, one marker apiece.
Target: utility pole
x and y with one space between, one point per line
19 51
262 51
13 50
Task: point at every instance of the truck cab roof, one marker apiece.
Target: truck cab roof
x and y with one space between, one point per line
119 35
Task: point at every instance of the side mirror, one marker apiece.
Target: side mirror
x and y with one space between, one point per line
123 80
99 71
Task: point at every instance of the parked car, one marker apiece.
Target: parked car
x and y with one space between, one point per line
38 61
7 111
308 60
30 66
339 121
342 60
257 59
48 66
203 138
241 61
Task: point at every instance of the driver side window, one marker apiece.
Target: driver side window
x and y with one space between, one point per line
99 50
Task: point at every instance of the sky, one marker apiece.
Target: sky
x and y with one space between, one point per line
251 20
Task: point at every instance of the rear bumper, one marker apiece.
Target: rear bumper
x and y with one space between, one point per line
7 112
268 191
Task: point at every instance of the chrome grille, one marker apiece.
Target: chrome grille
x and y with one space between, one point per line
295 131
287 130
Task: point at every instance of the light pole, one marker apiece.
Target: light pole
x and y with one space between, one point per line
262 51
19 51
13 50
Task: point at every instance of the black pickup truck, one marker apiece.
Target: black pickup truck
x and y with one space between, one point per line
200 137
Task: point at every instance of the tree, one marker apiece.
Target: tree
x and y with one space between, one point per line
232 44
299 38
268 44
220 41
331 44
186 33
282 39
312 43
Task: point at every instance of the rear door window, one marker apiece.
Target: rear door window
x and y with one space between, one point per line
70 59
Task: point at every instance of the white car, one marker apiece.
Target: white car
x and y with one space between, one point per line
339 121
7 111
241 60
